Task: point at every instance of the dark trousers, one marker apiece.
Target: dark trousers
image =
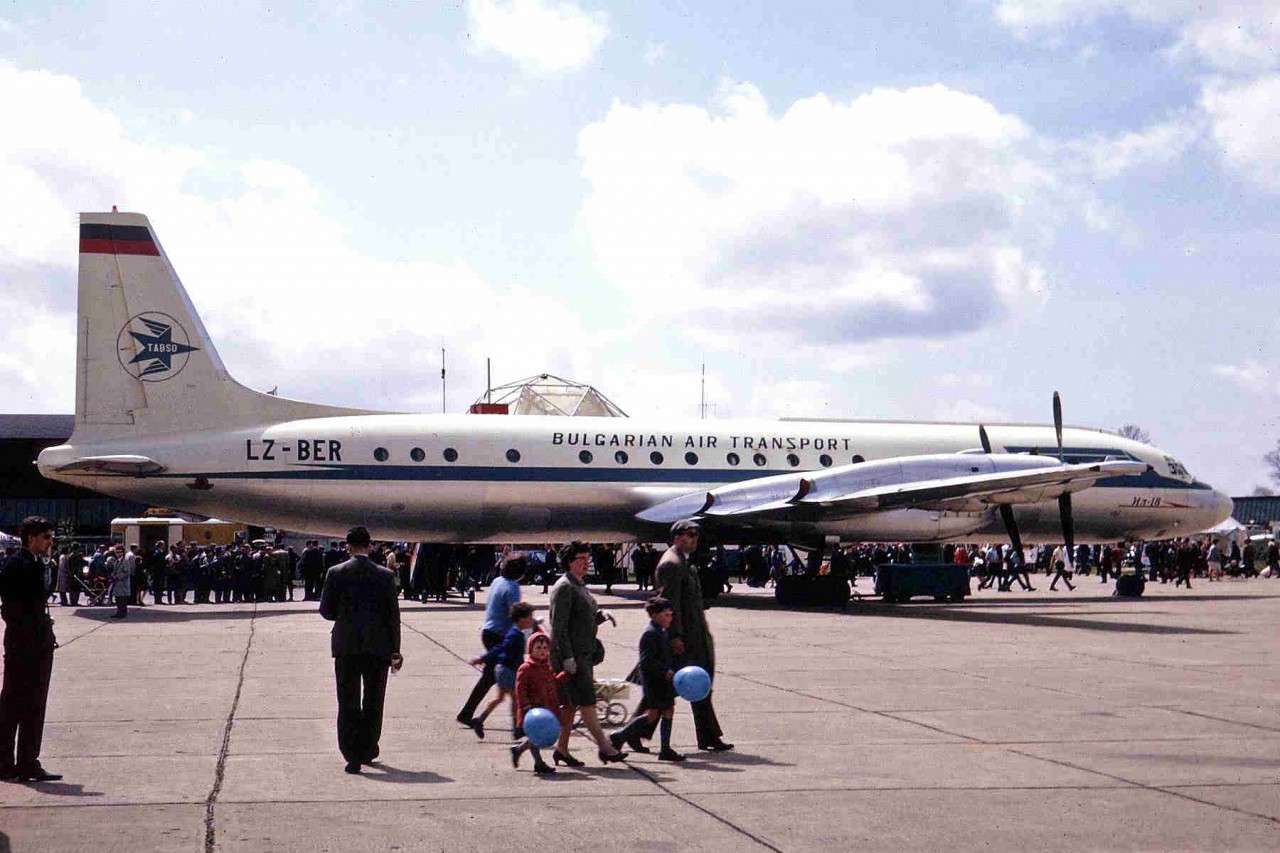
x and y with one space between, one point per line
23 698
487 677
122 606
362 688
705 724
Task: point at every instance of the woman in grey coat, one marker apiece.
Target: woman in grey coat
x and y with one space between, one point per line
574 618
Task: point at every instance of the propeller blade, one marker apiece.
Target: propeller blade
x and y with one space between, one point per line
1011 527
1068 526
986 442
1057 424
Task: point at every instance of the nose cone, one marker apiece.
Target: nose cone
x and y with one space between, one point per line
1222 506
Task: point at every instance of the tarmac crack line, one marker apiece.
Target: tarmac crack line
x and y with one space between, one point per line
706 811
210 827
1170 790
432 639
1263 728
82 636
885 714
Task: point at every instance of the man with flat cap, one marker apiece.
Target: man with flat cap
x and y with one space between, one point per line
691 641
359 597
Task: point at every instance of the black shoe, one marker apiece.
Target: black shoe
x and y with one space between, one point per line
39 774
516 752
477 726
463 720
635 745
670 755
611 758
717 746
372 756
564 758
542 768
352 767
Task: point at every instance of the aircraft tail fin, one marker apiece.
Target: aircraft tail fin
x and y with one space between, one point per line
144 362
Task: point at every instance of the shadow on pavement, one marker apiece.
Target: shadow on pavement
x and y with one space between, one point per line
380 771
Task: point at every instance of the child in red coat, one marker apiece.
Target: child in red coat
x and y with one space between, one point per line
536 687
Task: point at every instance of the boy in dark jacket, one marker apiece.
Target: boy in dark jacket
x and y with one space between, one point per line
655 676
536 687
508 655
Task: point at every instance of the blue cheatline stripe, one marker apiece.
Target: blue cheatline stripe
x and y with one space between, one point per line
530 474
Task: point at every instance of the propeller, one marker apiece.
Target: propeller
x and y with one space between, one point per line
1064 500
1006 511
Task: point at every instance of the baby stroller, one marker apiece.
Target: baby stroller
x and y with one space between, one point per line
610 695
97 589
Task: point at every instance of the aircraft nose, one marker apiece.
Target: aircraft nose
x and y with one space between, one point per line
1222 506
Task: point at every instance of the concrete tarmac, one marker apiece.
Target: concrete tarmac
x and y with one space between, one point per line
1014 721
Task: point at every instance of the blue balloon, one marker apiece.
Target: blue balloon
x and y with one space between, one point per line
541 727
693 683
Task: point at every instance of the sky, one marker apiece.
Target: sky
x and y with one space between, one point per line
930 210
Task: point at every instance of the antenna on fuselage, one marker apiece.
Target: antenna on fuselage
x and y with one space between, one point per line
444 385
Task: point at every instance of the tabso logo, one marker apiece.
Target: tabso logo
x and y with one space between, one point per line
153 347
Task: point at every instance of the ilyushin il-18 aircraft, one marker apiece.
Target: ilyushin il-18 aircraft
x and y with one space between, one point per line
159 420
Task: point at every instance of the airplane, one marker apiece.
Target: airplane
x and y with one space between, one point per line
159 420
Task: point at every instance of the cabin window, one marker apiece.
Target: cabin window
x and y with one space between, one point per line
824 460
857 457
513 455
793 460
621 457
381 454
417 454
691 458
655 457
760 460
585 457
450 455
732 459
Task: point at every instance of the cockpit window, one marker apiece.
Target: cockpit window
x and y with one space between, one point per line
1176 468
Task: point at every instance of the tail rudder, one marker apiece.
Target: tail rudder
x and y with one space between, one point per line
144 362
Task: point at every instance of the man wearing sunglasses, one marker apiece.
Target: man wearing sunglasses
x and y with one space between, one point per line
28 654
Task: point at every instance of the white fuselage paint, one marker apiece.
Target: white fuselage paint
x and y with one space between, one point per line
322 476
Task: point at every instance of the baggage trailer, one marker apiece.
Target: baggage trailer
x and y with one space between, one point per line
898 582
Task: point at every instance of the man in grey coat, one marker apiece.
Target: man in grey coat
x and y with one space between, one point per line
359 597
691 641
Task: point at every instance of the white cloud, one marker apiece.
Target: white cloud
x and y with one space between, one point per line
1252 376
792 398
1158 145
655 53
287 300
1237 36
543 36
1238 41
965 410
911 213
1246 125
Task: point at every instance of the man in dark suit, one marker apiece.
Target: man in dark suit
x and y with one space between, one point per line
359 597
28 654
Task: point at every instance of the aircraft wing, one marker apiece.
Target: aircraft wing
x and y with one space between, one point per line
831 495
112 466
